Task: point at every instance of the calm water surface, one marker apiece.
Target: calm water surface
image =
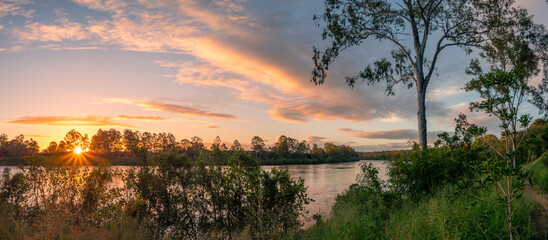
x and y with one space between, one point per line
324 181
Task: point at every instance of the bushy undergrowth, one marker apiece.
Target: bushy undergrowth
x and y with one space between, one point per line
539 172
177 198
365 211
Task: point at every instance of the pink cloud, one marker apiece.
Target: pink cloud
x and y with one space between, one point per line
46 33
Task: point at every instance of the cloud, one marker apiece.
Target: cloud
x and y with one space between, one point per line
15 8
37 136
141 118
203 74
51 33
390 134
238 46
185 110
383 147
207 127
68 121
101 5
171 108
446 91
314 139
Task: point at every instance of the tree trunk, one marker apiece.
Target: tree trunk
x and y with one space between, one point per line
509 210
421 117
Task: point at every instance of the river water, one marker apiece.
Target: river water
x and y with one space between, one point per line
324 181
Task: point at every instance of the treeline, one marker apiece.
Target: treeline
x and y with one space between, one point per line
382 155
17 147
113 143
291 151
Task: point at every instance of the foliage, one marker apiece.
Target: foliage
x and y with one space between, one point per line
502 94
382 155
419 32
17 147
364 212
539 172
127 148
178 197
424 171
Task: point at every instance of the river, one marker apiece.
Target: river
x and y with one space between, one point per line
324 181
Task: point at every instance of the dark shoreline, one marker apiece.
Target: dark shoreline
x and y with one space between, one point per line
132 161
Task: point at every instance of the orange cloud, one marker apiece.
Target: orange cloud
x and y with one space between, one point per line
208 127
141 118
185 110
37 136
68 121
171 108
54 33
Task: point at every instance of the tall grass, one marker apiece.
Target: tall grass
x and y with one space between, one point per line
539 172
359 214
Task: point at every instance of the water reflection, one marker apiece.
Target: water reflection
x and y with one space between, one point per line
325 181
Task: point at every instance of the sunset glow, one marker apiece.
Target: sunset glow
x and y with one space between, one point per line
234 69
78 150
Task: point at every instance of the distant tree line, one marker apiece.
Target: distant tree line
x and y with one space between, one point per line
17 147
383 155
114 143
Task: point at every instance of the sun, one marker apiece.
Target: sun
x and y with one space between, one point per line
78 150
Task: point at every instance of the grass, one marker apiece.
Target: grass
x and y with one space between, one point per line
445 215
539 172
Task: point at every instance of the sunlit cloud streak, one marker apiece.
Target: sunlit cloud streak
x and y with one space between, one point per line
314 139
207 127
37 136
170 108
68 121
185 110
141 118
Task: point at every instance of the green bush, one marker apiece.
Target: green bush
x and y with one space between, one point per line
176 198
421 172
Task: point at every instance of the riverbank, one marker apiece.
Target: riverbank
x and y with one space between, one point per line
90 159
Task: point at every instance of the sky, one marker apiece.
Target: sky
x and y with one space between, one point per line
234 69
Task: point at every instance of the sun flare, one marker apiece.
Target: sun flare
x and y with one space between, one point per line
78 150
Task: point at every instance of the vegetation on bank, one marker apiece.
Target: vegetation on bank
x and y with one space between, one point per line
221 196
382 155
117 148
226 195
435 193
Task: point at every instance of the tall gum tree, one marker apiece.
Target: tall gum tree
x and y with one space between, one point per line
419 30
